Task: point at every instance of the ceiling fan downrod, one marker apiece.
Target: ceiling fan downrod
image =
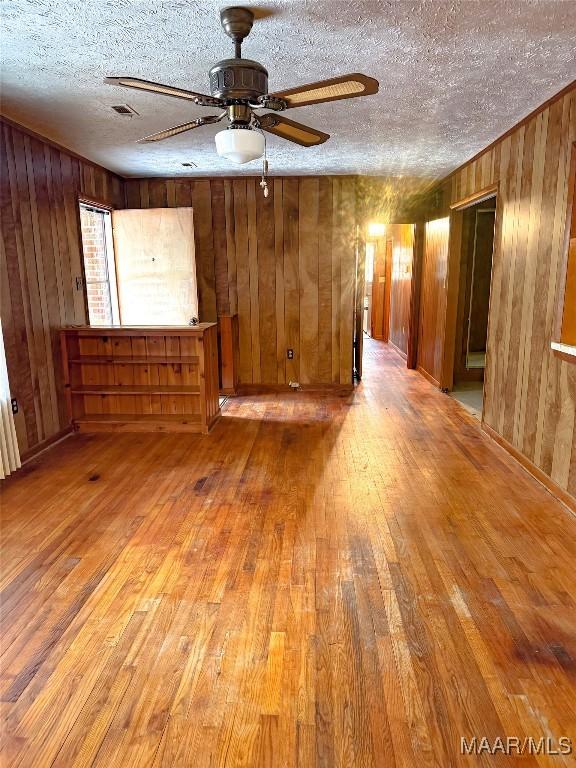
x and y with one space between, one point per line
237 23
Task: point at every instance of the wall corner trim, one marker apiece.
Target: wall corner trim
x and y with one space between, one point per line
50 442
423 372
398 350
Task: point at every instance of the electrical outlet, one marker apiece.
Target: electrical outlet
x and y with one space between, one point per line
290 354
14 404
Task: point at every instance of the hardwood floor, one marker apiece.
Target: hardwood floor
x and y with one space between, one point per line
352 580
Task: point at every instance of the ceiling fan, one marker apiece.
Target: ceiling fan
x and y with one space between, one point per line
240 87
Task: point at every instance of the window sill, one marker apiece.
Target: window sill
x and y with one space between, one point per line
565 351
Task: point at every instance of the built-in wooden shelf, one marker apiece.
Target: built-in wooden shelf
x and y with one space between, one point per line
136 389
160 379
138 422
152 360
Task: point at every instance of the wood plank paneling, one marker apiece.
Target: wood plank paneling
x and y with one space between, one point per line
255 330
402 237
279 283
346 233
220 246
291 277
433 298
228 353
325 329
41 260
242 280
308 279
285 264
202 205
530 394
266 286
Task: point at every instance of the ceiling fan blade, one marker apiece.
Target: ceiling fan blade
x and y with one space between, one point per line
208 119
343 87
288 129
164 90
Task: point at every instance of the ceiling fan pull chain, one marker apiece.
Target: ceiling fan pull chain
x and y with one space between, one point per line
263 182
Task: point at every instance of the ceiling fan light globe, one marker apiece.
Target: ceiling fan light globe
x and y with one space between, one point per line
240 145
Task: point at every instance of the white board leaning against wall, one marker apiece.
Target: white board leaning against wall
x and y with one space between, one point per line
9 454
155 266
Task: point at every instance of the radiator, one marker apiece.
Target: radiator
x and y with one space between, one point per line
9 453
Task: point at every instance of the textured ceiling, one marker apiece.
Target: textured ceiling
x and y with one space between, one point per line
453 76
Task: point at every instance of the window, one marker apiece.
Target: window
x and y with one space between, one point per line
566 327
99 267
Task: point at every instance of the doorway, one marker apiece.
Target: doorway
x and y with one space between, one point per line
389 308
368 280
471 331
377 317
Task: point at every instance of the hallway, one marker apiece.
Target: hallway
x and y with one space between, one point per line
353 580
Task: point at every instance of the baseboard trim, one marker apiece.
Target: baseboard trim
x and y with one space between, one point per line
271 389
42 446
398 350
552 488
428 376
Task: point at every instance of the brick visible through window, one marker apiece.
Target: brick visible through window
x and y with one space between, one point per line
99 268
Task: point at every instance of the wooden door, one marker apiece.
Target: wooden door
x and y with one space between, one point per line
359 304
155 266
401 284
381 290
387 290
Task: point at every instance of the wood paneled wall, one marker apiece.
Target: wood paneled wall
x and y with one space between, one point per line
40 262
433 299
285 264
402 237
530 394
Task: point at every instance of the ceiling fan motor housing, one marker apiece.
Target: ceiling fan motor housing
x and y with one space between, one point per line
242 79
